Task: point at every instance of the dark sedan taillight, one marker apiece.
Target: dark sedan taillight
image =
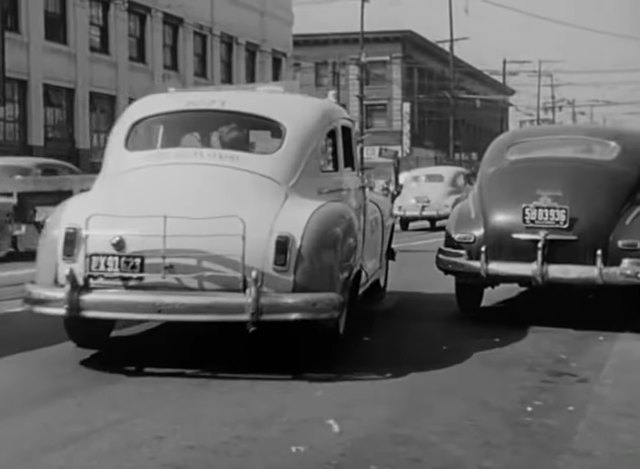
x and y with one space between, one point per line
70 244
282 252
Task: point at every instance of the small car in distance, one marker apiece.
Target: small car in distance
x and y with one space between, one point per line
553 205
218 206
430 193
27 212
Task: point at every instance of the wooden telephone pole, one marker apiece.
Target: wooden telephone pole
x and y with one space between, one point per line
3 54
362 70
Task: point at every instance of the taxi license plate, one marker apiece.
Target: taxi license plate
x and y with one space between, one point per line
115 264
544 216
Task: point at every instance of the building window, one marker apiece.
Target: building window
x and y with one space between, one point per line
250 62
323 75
58 114
11 16
55 21
99 26
348 148
277 61
200 54
376 116
226 59
137 36
376 73
170 31
13 115
102 114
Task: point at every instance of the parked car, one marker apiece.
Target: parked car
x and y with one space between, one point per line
25 212
216 206
552 205
430 193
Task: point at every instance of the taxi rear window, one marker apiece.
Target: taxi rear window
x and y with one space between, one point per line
428 178
227 130
564 147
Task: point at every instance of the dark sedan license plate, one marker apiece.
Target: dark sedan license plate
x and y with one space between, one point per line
543 216
115 264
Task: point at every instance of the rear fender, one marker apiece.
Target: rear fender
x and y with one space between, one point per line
466 218
329 253
624 236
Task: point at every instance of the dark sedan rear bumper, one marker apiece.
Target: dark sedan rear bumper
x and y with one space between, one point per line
456 262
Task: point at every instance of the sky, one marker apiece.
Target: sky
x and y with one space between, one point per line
588 62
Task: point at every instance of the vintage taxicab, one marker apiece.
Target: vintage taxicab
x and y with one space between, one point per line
430 193
218 206
552 205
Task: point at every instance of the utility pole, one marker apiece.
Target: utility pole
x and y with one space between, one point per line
3 54
574 117
452 77
505 119
591 114
538 92
362 66
553 100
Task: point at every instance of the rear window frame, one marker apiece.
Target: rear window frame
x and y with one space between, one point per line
422 179
612 154
137 122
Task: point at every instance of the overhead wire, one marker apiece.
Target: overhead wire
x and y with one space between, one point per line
562 22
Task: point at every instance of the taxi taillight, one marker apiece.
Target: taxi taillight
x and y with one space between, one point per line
282 252
70 244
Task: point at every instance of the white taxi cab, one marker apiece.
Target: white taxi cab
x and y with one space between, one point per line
223 206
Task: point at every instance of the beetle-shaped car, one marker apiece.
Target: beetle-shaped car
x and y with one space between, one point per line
552 205
227 206
430 193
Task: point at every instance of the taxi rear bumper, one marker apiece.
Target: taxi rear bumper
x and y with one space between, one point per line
251 306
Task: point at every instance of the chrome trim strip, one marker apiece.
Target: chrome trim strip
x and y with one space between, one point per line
600 266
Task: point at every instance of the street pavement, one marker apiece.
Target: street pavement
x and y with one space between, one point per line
542 381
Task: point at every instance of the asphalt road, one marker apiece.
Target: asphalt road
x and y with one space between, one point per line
543 381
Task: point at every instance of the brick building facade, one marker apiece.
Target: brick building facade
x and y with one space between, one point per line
403 66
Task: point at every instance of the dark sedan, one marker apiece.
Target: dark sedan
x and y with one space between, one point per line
552 205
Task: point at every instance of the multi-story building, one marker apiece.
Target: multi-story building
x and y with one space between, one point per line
404 67
73 65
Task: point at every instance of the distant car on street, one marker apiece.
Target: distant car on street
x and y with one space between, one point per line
430 193
553 205
25 214
218 206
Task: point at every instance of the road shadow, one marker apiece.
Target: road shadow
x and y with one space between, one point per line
411 333
604 310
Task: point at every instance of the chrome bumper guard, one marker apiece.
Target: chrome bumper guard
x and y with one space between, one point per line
252 306
457 262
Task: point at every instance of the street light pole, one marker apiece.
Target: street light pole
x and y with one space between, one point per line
451 84
361 84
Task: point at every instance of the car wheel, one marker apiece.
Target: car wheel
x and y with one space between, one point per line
91 334
339 329
469 298
404 224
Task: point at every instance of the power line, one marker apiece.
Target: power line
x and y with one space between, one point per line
562 23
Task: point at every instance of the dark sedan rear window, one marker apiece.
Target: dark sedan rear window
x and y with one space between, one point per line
564 147
207 129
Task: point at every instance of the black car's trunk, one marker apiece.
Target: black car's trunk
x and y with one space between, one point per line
594 192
